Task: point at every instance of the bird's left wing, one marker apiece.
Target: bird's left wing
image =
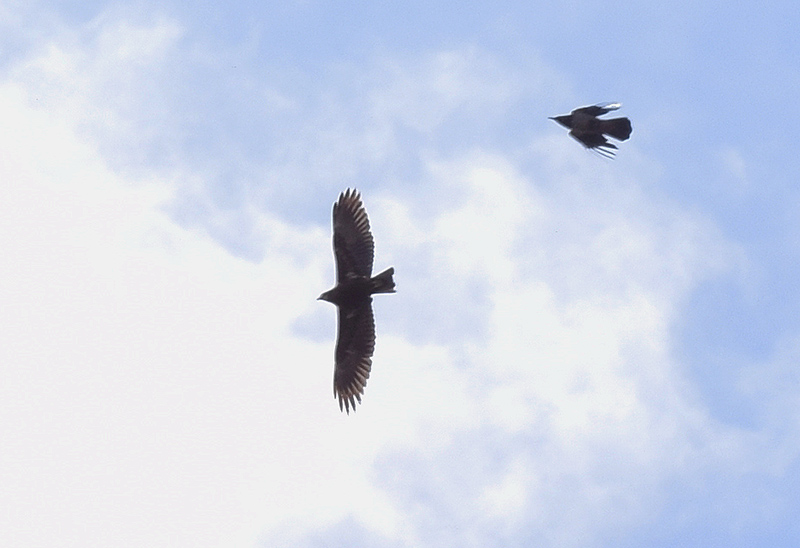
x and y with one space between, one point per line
354 348
353 245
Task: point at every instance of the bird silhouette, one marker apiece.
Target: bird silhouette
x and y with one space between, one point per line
586 127
353 249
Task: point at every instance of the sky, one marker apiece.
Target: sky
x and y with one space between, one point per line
581 352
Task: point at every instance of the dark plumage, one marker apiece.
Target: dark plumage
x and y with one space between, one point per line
353 249
586 127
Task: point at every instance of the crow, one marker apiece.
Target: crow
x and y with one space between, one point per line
353 249
586 127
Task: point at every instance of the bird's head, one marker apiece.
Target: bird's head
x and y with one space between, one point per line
326 296
565 120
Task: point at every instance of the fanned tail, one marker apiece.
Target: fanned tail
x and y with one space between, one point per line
618 128
383 282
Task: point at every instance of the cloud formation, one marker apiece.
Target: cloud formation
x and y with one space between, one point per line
167 372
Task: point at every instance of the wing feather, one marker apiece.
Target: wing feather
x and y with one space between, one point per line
353 245
354 348
598 110
595 141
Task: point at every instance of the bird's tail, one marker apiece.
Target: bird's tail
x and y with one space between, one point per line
618 128
383 282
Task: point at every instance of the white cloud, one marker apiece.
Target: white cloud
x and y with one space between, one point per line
97 75
141 362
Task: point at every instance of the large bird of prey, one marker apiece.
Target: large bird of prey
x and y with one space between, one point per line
586 127
353 249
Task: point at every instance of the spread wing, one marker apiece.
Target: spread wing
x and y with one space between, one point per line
354 349
595 141
353 246
598 110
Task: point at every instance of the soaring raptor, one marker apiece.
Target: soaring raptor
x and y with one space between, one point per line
586 127
353 249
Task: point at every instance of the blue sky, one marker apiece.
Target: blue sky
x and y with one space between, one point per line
581 352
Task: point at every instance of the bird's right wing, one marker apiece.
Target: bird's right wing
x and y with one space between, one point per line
608 107
353 245
354 348
595 141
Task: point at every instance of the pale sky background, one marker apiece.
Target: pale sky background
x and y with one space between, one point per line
581 352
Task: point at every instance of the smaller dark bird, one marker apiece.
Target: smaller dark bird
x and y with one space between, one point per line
586 127
353 249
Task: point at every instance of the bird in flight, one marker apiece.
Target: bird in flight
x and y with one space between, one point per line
353 249
586 127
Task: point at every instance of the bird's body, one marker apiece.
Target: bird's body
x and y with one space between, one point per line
353 249
351 292
586 127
